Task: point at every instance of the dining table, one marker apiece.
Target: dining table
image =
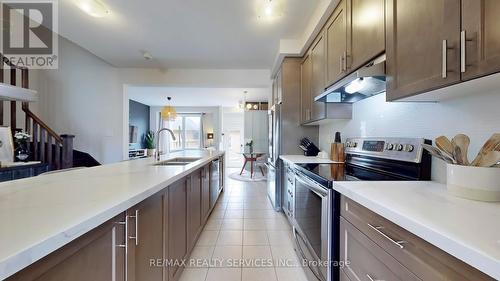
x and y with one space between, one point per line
251 157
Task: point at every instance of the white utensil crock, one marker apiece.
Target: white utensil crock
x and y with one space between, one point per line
476 183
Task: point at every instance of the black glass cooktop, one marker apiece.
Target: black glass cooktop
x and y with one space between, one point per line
324 174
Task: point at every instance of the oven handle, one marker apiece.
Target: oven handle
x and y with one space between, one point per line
313 186
316 274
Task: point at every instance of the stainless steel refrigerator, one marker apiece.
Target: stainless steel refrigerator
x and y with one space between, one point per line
285 130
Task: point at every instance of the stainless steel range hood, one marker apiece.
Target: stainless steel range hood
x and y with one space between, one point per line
365 82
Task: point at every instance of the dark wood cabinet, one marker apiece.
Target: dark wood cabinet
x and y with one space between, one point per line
318 76
146 222
205 193
95 256
177 222
480 38
336 34
365 31
422 46
318 66
306 98
194 208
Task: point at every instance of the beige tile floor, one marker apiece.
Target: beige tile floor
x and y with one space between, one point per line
245 240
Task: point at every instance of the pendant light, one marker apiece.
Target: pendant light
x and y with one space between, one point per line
168 113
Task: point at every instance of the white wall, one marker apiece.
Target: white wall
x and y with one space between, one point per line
476 115
88 97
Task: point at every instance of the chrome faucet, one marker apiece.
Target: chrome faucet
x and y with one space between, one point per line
158 153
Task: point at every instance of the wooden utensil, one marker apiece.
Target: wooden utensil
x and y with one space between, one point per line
444 144
458 156
489 160
491 144
462 141
438 154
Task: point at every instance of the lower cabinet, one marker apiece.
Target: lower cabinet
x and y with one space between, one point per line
177 230
149 241
205 193
377 249
146 226
194 208
98 255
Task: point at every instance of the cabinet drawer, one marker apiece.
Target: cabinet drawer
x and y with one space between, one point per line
420 257
367 261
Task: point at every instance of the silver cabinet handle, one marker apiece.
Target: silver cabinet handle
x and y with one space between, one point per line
136 219
341 64
378 229
444 73
371 278
345 61
462 51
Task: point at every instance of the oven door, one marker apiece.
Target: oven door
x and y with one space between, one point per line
312 231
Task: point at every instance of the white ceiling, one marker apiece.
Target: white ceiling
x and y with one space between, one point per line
185 33
187 96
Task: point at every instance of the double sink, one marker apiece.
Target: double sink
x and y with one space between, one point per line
178 161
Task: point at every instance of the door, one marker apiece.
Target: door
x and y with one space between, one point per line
480 38
318 77
336 33
177 228
205 192
422 46
312 218
305 89
279 87
365 31
214 182
102 250
145 238
194 208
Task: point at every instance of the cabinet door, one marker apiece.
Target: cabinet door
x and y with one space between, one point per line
95 256
205 193
422 46
177 228
305 89
480 38
279 88
365 31
318 78
336 33
194 208
146 238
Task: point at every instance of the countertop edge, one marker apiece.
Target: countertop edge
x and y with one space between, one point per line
458 249
26 257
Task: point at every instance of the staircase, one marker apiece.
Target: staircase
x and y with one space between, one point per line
46 145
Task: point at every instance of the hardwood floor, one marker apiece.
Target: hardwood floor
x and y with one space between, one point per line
244 240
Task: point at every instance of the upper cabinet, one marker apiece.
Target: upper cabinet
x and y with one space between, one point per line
480 38
305 91
336 33
365 31
423 46
435 43
318 68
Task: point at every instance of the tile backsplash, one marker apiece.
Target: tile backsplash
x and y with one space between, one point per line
477 115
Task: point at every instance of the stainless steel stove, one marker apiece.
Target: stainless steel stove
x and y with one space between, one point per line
316 212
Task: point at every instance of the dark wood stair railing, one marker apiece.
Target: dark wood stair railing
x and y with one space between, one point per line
47 145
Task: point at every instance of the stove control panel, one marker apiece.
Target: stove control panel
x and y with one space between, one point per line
402 149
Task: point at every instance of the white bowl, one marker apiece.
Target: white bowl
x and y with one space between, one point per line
476 183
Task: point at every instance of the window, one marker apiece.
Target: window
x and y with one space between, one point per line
187 130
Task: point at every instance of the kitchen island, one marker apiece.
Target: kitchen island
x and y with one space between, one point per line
44 214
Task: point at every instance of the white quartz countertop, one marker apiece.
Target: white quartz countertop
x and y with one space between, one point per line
466 229
41 214
301 159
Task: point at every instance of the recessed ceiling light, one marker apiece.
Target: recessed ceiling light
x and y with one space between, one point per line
95 8
269 9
